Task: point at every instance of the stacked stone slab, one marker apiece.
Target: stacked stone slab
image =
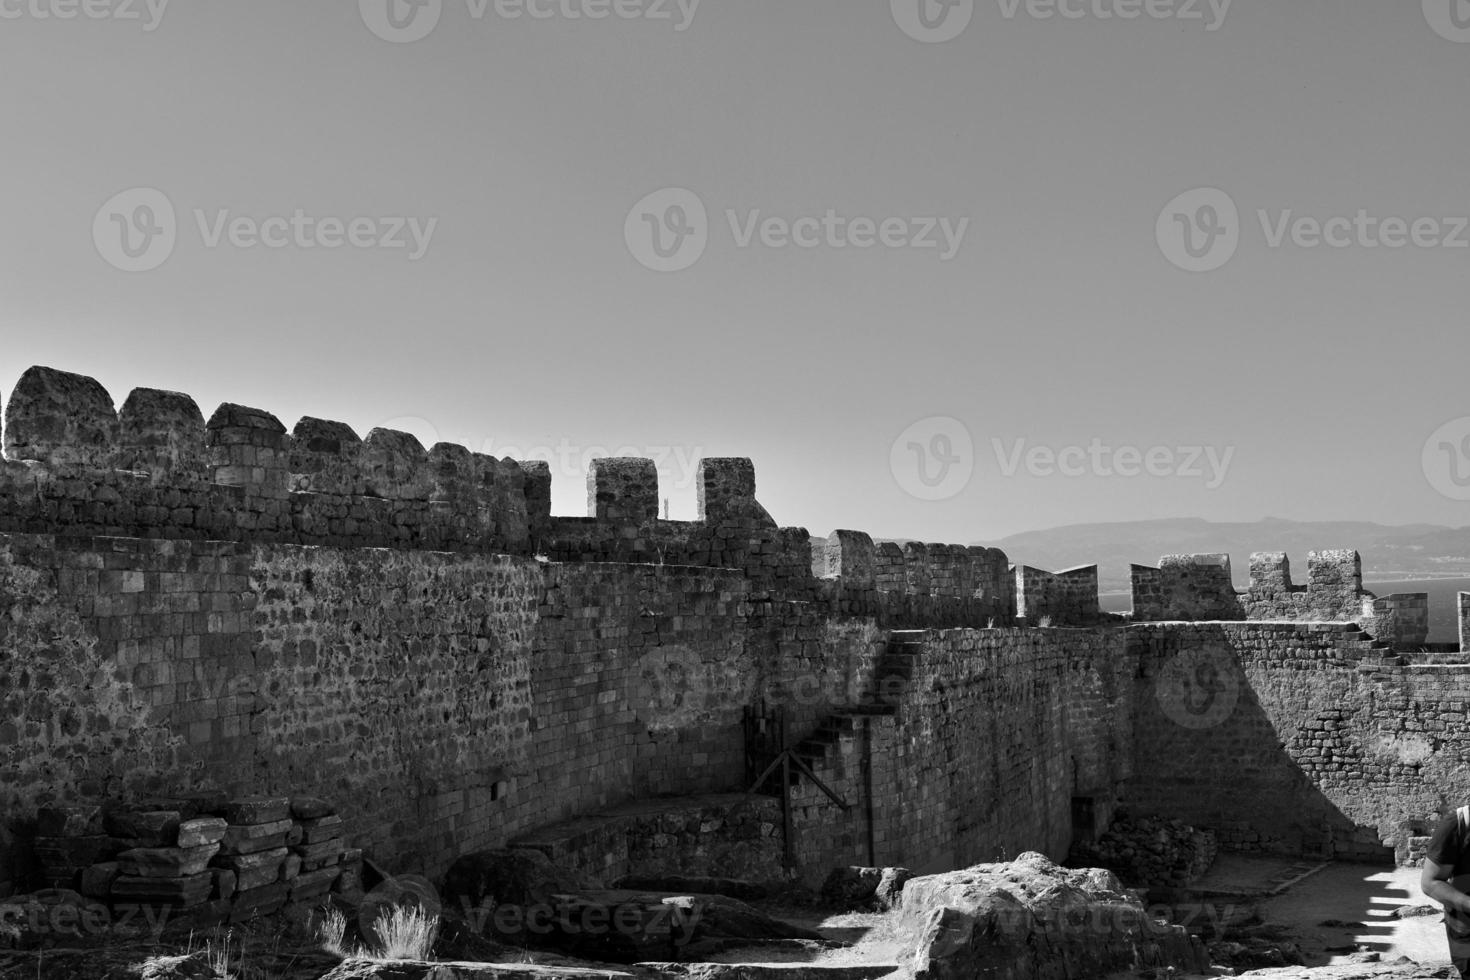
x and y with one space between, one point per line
225 860
255 852
316 850
162 861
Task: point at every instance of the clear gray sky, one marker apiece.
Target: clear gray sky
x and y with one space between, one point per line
529 323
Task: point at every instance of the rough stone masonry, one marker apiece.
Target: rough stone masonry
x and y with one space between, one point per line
192 605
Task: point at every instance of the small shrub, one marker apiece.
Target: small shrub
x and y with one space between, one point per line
408 933
405 933
331 933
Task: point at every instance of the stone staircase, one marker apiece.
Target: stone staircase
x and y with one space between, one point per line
892 676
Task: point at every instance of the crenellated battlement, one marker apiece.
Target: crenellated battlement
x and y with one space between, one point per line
1199 588
916 582
157 469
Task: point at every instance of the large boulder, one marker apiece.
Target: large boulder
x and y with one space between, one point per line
1031 919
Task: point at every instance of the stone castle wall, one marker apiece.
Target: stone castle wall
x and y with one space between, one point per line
190 605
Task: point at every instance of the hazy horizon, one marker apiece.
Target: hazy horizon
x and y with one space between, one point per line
973 316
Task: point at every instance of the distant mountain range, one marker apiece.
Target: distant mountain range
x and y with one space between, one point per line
1411 551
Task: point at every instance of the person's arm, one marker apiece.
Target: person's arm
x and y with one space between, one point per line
1435 883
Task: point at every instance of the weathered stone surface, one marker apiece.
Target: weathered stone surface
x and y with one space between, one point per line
248 879
60 419
889 894
253 845
182 892
327 850
321 829
314 884
260 859
253 810
1150 851
158 828
162 434
167 862
1030 918
291 867
202 831
240 837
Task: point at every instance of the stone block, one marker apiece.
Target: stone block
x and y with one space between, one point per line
314 884
246 838
247 862
322 829
291 867
146 828
202 831
310 808
257 810
184 892
166 862
318 852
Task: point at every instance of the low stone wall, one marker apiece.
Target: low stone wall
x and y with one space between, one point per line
1150 851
